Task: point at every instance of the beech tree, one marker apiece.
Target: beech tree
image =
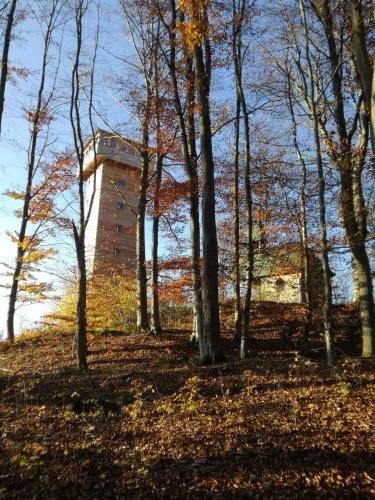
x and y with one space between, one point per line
142 27
38 117
360 16
197 38
241 12
79 228
184 98
6 45
342 153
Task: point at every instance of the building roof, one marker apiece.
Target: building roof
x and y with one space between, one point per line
282 260
123 151
112 135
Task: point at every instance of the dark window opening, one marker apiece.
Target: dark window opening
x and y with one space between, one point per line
280 285
121 183
116 251
118 228
120 204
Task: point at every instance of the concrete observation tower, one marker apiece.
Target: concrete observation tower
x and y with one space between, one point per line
110 234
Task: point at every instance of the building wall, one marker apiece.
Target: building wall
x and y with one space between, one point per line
289 288
111 230
286 288
92 226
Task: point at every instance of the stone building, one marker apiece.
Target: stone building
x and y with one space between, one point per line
279 275
110 234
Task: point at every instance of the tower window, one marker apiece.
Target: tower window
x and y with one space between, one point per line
120 204
280 285
118 228
116 251
121 183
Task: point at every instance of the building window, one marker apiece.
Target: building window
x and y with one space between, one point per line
280 285
116 251
121 183
118 228
120 205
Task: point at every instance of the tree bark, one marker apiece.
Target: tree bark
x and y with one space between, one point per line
365 67
327 285
155 310
238 19
30 177
347 196
236 228
187 133
306 282
81 336
141 275
212 349
192 174
4 59
79 232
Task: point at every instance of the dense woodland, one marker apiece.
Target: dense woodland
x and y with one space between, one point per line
255 126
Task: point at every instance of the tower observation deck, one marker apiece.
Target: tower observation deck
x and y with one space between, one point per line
112 184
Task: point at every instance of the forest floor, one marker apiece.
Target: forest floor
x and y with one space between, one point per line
146 421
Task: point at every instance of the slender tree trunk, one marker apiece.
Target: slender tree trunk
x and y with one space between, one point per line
355 286
307 289
155 311
249 233
81 336
142 314
345 167
306 283
363 278
192 174
238 19
4 59
14 285
30 176
358 199
187 132
79 232
20 252
212 349
236 229
365 67
327 285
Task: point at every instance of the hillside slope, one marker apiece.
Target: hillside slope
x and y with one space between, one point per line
147 422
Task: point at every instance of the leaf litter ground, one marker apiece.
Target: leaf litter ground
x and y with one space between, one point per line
147 422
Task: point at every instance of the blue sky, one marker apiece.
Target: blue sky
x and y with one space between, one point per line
26 52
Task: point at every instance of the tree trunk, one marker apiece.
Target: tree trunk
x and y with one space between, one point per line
4 59
187 132
13 294
155 312
355 285
79 233
327 285
365 67
81 344
212 349
306 281
238 19
306 261
236 229
30 176
141 275
347 197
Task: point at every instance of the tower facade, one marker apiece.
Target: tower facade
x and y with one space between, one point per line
111 190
